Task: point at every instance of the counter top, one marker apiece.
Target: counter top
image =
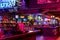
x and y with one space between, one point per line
21 36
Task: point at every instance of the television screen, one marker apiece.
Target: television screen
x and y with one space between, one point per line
30 17
7 3
25 20
16 16
53 21
19 20
39 18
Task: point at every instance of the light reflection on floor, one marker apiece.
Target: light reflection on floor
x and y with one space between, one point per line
58 38
47 38
39 38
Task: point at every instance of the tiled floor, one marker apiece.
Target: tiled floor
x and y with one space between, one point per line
47 38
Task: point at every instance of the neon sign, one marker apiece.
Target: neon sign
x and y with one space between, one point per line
7 3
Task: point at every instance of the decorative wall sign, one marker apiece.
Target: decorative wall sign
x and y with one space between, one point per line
7 3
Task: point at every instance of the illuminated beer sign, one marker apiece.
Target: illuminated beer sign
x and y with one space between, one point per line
7 3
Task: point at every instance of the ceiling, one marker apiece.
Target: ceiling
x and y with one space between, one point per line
54 12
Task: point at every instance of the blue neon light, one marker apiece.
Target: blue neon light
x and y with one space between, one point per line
7 3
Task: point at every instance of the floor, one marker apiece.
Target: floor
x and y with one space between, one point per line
47 38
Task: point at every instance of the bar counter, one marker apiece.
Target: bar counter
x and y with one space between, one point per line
24 36
49 31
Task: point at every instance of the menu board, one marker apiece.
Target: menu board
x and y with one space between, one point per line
7 3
